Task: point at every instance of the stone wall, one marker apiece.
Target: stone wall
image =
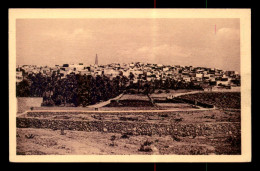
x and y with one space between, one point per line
51 113
25 103
130 103
195 102
135 128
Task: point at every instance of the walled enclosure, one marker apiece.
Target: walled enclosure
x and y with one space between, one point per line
25 103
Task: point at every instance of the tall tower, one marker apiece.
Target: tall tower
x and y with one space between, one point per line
96 60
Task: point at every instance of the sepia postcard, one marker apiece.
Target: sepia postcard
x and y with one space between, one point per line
130 85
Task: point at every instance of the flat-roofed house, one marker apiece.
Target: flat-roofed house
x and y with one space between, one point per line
111 72
198 75
224 81
187 79
84 72
19 76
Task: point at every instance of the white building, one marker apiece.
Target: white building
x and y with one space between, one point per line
19 76
199 75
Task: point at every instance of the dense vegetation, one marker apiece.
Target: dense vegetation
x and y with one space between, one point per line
83 90
74 90
169 83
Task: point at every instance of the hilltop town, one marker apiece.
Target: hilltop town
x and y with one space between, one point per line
207 78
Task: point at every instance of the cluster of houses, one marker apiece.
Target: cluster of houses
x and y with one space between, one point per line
139 71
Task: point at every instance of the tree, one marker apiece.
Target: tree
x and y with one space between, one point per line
23 89
75 89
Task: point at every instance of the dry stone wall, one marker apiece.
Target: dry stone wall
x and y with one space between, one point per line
25 103
198 129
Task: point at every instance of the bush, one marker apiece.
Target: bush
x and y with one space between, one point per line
145 148
147 142
164 115
62 132
175 138
198 150
124 136
29 136
48 102
179 119
112 138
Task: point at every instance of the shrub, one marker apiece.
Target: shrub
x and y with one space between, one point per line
113 137
175 138
179 119
48 102
164 115
62 132
129 133
29 136
145 148
197 150
124 136
147 142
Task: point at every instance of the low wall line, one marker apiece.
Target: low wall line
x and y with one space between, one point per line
135 128
195 102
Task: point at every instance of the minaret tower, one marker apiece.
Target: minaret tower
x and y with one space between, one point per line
96 60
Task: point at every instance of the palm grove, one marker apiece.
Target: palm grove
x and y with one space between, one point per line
83 90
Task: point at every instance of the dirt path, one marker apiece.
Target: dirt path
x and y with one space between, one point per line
120 111
186 93
101 104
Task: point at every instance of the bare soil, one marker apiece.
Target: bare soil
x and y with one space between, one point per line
54 142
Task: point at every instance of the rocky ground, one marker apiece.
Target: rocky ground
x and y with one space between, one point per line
33 141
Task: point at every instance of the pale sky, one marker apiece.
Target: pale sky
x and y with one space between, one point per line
165 41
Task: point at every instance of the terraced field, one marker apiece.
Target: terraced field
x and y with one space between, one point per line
219 99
